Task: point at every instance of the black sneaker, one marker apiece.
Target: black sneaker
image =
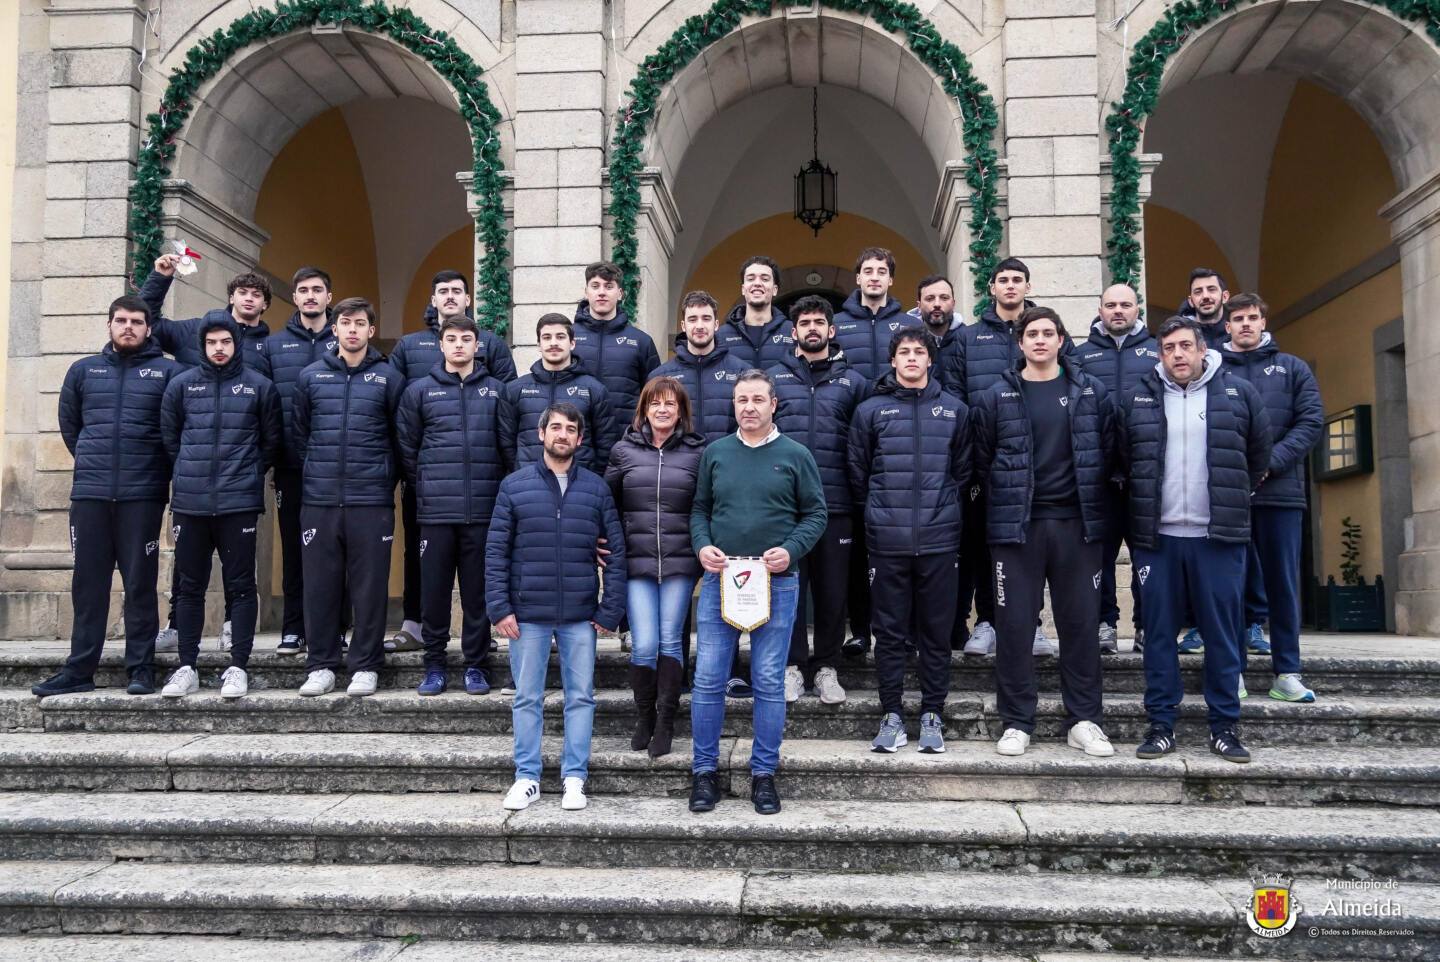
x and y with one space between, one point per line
62 683
855 649
1160 741
142 682
764 795
704 792
1226 744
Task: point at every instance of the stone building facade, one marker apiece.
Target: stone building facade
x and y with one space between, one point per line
336 145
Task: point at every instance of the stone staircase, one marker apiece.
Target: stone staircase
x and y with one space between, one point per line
332 828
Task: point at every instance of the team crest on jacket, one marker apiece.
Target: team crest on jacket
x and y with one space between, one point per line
935 411
1142 574
307 536
151 372
570 391
1064 402
482 392
151 547
329 345
719 375
1274 369
377 378
894 325
1139 352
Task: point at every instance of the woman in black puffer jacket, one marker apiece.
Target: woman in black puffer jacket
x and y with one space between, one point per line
652 474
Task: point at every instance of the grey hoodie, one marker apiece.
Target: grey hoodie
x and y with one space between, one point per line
1185 489
1119 339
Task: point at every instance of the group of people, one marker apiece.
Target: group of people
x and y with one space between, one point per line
894 463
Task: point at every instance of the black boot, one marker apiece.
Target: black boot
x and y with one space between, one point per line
642 683
670 676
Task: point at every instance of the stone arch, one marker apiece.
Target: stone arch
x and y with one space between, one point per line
250 68
912 67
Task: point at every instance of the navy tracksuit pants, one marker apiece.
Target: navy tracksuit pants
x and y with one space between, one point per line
1212 575
105 535
1272 583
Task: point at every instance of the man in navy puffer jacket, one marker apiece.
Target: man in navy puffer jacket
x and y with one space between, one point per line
619 354
909 461
541 583
756 332
449 440
558 376
706 369
818 393
1297 417
1119 352
304 339
110 422
248 295
222 429
344 426
1044 441
1193 444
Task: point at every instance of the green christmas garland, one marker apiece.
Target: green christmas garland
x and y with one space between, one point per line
204 60
1142 90
943 58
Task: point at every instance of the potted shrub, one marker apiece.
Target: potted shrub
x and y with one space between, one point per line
1351 605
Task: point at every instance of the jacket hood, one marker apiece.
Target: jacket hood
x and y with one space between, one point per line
737 317
432 317
546 376
856 307
1212 363
890 385
619 322
1266 348
642 436
1098 328
832 365
371 358
989 316
685 356
955 322
220 321
151 348
443 376
1070 373
297 326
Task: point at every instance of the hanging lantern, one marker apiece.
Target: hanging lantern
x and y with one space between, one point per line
815 198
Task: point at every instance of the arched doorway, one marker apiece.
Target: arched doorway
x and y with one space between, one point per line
1288 131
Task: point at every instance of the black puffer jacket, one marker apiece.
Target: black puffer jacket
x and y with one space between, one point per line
222 430
110 420
286 353
1004 445
709 380
654 488
1297 417
179 338
817 403
529 396
865 336
618 354
1118 368
909 459
758 347
1237 434
344 430
416 354
448 435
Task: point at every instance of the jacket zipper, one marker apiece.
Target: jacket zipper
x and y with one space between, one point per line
119 421
465 445
915 475
345 434
215 461
659 554
559 533
1030 479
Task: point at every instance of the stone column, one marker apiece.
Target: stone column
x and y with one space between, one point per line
1052 146
88 118
1415 226
1148 163
560 64
950 215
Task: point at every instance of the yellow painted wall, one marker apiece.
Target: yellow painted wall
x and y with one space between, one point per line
791 243
1174 246
456 252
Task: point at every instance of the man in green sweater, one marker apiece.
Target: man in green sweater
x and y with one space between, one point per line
758 496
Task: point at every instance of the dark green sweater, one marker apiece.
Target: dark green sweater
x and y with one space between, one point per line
749 500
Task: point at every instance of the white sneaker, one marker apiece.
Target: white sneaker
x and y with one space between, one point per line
167 640
794 683
982 640
321 681
1013 742
1043 647
234 683
1109 638
1088 737
363 683
574 799
827 686
225 637
522 793
183 681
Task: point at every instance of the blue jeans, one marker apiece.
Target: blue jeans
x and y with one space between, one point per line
715 646
657 611
529 657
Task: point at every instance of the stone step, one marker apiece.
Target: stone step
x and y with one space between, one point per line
810 768
22 666
807 835
968 715
967 912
